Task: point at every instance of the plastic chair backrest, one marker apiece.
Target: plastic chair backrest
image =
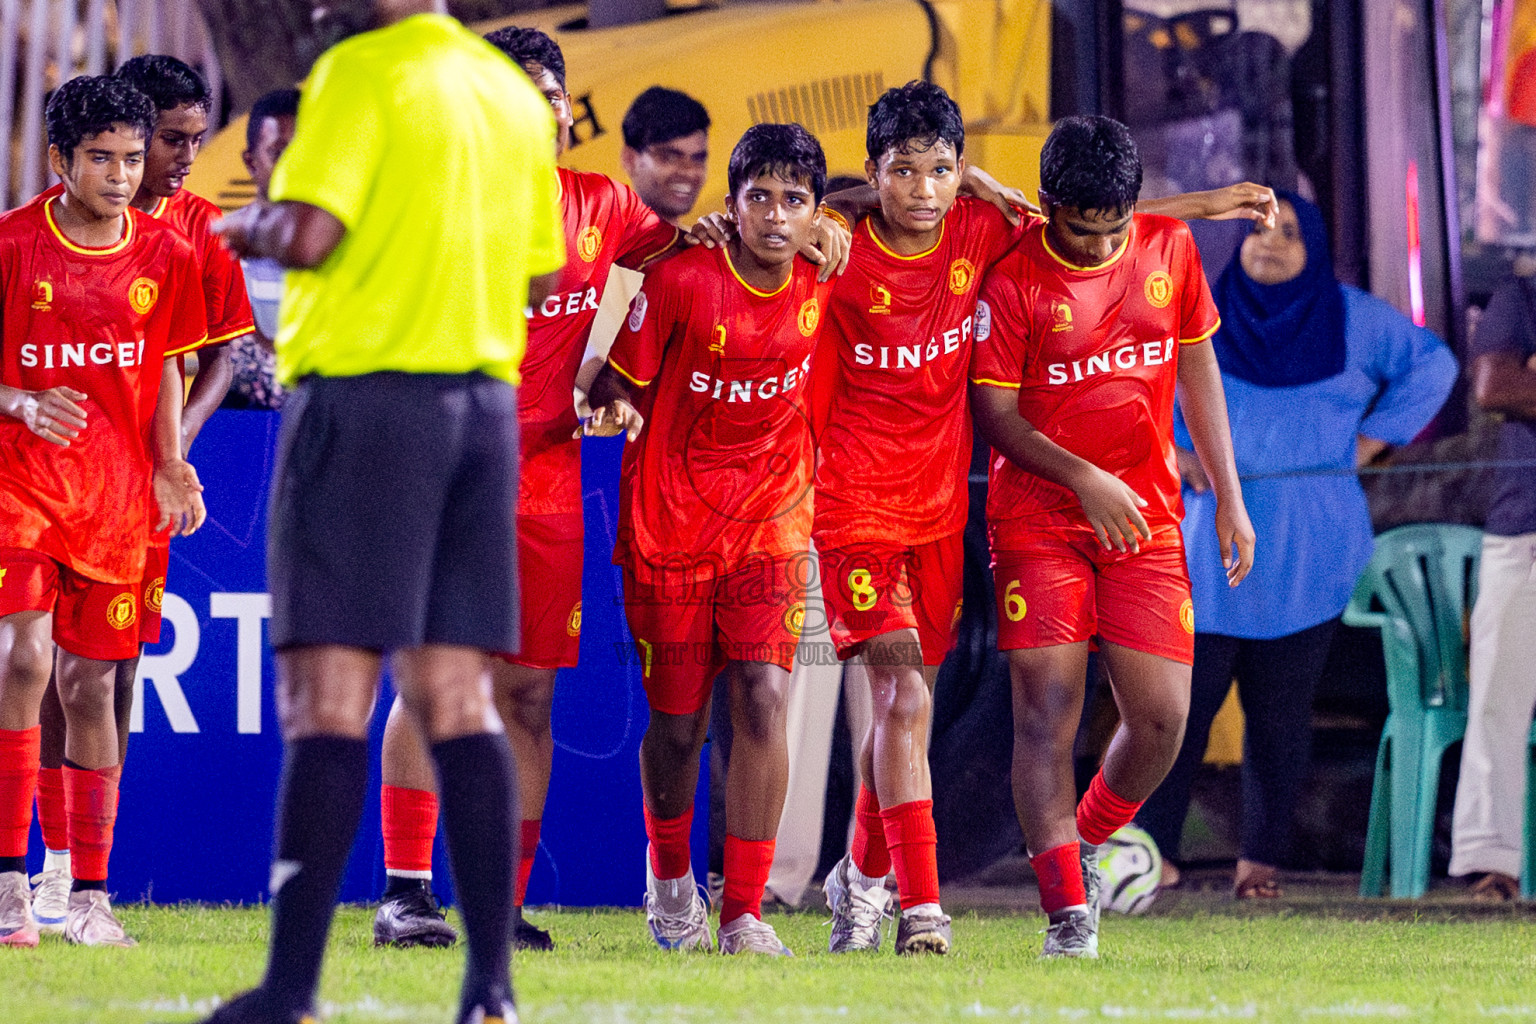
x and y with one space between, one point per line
1419 588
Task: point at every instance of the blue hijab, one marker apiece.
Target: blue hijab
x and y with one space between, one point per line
1283 335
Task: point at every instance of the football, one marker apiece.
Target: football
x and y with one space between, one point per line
1130 868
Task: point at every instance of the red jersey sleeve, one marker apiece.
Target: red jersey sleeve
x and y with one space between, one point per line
642 341
646 235
187 327
1198 316
1002 332
227 302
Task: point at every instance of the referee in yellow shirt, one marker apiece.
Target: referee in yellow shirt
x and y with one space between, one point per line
416 201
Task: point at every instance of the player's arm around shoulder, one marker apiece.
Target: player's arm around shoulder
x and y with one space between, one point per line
1205 414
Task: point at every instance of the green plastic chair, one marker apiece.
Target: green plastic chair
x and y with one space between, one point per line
1418 590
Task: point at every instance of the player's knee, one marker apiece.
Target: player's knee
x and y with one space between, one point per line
85 693
905 702
763 701
28 664
678 737
1159 731
304 711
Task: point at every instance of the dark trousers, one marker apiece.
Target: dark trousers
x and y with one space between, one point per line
1276 680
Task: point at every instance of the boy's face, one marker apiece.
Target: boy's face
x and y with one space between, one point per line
559 101
1086 238
272 137
917 187
179 134
775 217
104 171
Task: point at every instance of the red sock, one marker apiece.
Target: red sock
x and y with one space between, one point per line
91 799
747 863
527 851
870 854
52 815
1100 814
1061 878
409 822
670 856
914 846
19 751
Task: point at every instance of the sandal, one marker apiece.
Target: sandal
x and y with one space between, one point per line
1260 888
1496 887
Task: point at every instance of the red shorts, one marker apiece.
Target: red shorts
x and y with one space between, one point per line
872 589
90 619
1061 587
549 557
686 632
157 561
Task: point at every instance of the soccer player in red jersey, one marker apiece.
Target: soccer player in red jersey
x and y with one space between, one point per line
182 102
606 223
96 295
895 440
709 378
1084 332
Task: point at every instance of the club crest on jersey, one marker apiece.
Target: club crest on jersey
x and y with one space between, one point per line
42 296
154 594
637 312
1187 616
1061 317
718 344
142 295
794 618
962 274
810 316
573 620
121 612
588 243
1159 288
879 298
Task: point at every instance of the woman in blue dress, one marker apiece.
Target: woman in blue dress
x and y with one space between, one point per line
1319 378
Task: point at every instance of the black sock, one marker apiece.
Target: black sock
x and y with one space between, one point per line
18 864
80 885
319 805
478 794
395 885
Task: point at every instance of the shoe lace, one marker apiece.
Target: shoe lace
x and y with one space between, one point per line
48 882
673 925
864 910
100 919
1071 931
756 936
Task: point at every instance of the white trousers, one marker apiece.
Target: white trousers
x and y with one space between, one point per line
1489 822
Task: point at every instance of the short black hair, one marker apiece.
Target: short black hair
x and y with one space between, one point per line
530 46
918 113
277 103
1090 163
92 104
660 115
168 82
785 151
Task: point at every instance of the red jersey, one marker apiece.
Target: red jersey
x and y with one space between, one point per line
605 223
893 418
722 471
226 304
101 321
1094 353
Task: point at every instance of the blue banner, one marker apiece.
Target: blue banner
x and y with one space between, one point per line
198 791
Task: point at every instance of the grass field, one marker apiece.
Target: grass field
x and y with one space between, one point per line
1285 966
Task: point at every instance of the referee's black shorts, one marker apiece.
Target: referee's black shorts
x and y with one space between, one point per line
392 521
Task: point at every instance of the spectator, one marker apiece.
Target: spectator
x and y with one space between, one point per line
268 130
1490 798
1319 377
666 150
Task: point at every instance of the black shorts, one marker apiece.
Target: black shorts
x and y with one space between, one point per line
392 521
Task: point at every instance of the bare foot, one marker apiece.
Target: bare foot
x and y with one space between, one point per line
1496 887
1255 881
1171 876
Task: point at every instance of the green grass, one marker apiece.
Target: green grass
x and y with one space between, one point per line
1279 967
